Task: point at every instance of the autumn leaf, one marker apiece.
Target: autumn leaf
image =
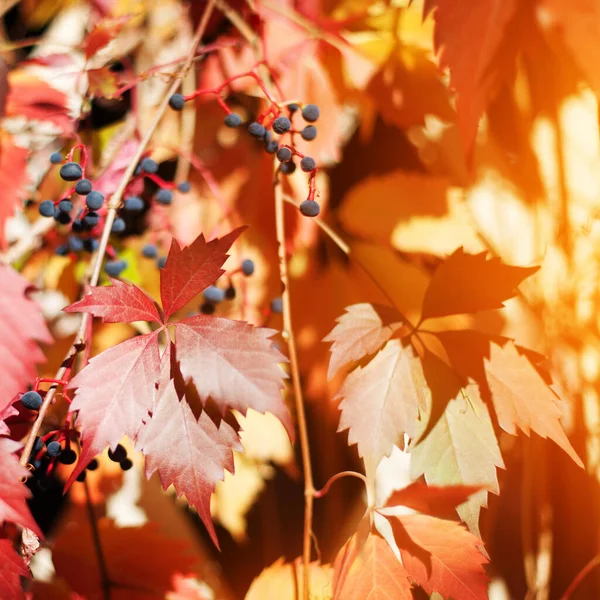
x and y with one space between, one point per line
102 83
188 453
22 327
13 179
455 563
360 331
12 568
469 283
103 33
118 303
380 402
375 574
462 449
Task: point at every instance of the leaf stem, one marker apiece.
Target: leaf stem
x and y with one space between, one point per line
288 334
320 493
588 568
106 583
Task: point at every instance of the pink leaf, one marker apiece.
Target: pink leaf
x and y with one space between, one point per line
119 303
188 453
12 568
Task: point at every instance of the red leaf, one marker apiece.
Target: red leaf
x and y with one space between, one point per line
103 33
190 270
432 500
115 393
455 563
119 303
21 326
469 283
360 331
469 38
523 399
188 453
14 493
375 574
13 178
12 568
233 363
381 402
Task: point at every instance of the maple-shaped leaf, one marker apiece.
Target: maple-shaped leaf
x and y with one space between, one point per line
360 331
190 270
114 393
13 179
188 453
118 303
12 568
374 573
469 283
102 83
103 33
454 565
22 326
381 402
437 501
522 399
13 492
233 363
461 449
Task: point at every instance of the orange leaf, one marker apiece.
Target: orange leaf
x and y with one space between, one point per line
13 178
103 33
102 83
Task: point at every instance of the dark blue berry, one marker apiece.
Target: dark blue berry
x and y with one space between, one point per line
31 400
310 208
266 138
149 166
293 108
233 120
309 133
37 445
271 147
65 206
56 158
161 262
54 448
61 217
230 293
213 294
118 454
308 164
81 476
62 250
134 204
83 187
284 155
277 305
115 267
92 465
118 226
67 457
184 187
164 196
78 226
46 208
282 125
91 244
75 244
207 308
310 113
91 219
94 200
71 171
150 251
177 102
248 266
287 168
126 464
256 129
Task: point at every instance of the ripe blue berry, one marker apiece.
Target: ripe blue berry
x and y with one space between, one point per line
115 267
92 465
184 187
90 245
65 206
207 308
81 476
78 226
310 208
287 168
94 200
118 454
83 187
118 226
277 305
230 293
134 204
310 113
293 108
233 120
46 208
126 464
308 164
61 217
91 219
71 171
31 400
177 102
247 267
75 244
150 251
164 196
309 133
54 448
271 147
56 158
149 166
213 294
284 155
282 125
160 263
62 250
256 129
67 457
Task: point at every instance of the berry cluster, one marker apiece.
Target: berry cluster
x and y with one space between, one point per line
213 295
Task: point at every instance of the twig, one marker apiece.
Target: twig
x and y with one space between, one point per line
590 566
288 334
106 584
320 493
